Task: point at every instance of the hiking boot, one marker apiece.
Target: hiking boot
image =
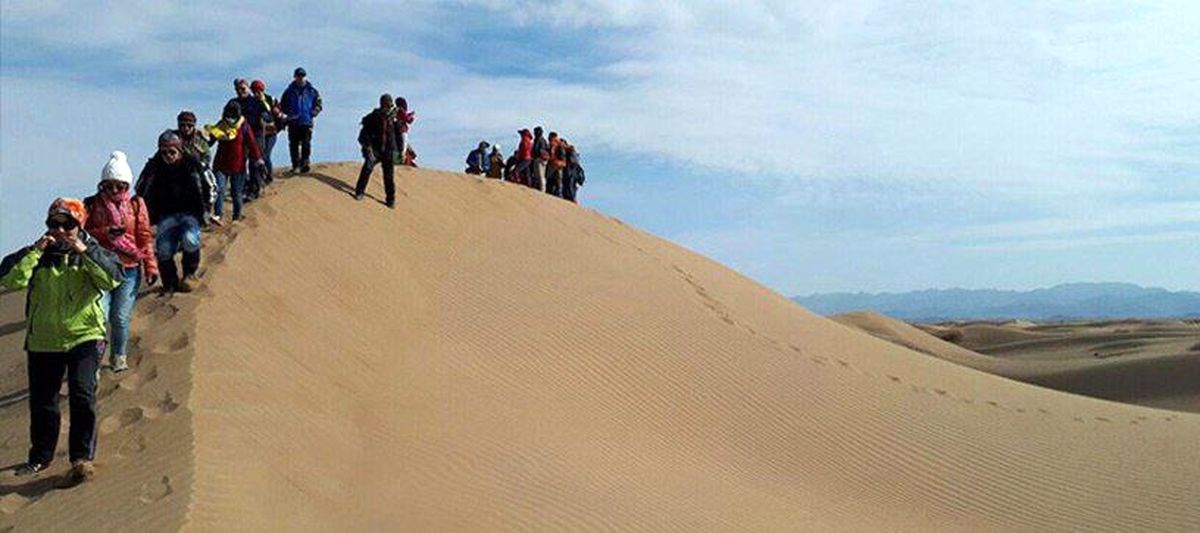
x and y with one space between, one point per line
391 204
359 196
187 284
29 469
81 471
304 169
119 364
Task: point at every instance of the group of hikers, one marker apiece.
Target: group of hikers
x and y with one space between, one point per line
549 164
82 276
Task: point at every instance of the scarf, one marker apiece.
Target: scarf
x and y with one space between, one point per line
225 130
120 209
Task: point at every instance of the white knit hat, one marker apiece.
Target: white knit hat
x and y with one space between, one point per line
117 169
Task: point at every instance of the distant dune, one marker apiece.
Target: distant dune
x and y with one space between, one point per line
486 357
1143 362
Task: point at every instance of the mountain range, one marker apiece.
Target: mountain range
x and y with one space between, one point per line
1060 302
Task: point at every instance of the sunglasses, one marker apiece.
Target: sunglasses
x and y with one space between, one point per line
68 224
116 185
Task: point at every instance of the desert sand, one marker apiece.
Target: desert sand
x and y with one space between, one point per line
1146 362
486 357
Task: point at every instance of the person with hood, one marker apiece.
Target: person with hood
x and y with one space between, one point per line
541 157
235 139
300 104
554 174
404 118
524 158
378 138
65 274
120 224
271 121
197 144
478 161
496 163
178 199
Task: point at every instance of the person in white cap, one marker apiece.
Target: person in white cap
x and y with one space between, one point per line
120 223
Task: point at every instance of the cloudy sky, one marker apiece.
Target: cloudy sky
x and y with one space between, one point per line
814 146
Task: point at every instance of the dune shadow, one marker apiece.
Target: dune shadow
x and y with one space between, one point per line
31 489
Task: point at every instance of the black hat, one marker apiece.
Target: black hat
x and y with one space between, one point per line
299 72
232 110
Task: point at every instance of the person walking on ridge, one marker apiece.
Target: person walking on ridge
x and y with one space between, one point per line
541 157
235 141
178 198
256 114
300 104
271 121
65 273
120 224
197 144
404 118
378 138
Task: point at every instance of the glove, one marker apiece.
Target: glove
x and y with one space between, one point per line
151 280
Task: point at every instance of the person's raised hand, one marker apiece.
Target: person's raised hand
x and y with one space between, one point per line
77 244
151 280
43 241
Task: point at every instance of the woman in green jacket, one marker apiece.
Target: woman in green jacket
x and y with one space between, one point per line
66 273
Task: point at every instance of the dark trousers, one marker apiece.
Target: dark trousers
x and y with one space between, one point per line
523 171
389 181
300 144
45 378
554 181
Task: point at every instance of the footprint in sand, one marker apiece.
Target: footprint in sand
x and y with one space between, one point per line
152 492
180 342
11 503
136 380
125 419
132 446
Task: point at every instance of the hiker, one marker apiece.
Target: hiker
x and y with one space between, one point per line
404 117
256 114
573 177
271 121
65 272
496 163
378 138
524 157
554 175
235 139
510 168
541 157
478 161
300 104
197 144
120 224
178 199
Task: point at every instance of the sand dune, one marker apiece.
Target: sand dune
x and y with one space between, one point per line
488 358
1146 363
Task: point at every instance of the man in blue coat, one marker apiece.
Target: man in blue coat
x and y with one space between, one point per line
301 103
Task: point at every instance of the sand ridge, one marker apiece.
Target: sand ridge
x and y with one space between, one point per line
488 358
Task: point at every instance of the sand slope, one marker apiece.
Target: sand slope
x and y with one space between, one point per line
489 358
1143 363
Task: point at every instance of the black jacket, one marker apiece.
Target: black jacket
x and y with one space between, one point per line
171 189
380 131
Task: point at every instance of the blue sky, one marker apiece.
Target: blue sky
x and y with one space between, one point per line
814 146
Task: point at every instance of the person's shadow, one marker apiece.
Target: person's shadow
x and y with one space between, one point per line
335 183
31 488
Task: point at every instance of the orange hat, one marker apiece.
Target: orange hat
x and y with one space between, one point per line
68 206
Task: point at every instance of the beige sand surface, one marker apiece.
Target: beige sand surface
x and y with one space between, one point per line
488 358
1152 363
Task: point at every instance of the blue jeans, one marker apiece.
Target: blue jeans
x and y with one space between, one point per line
236 183
175 232
118 307
269 146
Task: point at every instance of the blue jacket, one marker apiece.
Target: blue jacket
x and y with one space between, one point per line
478 158
301 104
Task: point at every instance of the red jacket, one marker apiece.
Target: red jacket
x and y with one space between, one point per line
404 117
231 155
525 149
99 223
